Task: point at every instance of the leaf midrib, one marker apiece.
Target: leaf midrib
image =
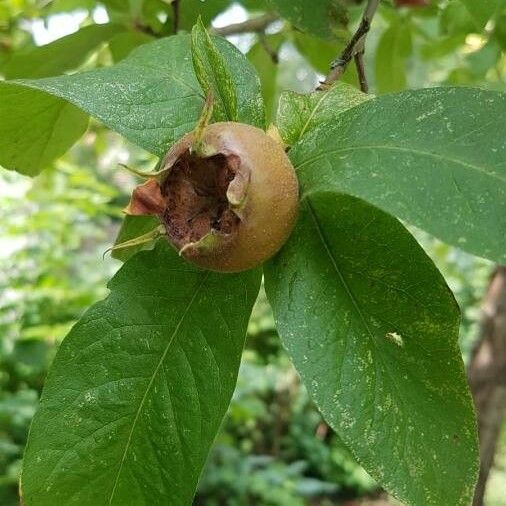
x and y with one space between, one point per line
151 381
420 152
336 268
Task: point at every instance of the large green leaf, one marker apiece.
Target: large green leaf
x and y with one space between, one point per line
57 57
139 387
299 114
213 73
319 18
372 328
435 157
35 128
152 97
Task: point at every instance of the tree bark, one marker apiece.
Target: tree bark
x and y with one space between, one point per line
487 375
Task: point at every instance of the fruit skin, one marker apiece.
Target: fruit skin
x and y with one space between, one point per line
268 203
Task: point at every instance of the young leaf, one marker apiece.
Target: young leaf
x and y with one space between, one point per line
434 157
132 227
152 97
59 56
298 114
372 329
35 128
139 387
213 74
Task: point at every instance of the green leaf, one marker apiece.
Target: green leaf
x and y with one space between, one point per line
57 57
191 10
213 74
317 18
319 53
35 128
132 227
152 97
481 10
393 50
139 387
372 329
434 157
122 44
267 70
299 114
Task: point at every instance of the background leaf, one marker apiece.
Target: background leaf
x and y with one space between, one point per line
189 10
213 74
372 328
122 44
139 387
482 10
394 47
35 128
434 157
59 56
267 70
299 114
318 18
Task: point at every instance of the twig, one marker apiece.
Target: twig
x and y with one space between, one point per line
362 78
273 54
175 16
355 47
258 24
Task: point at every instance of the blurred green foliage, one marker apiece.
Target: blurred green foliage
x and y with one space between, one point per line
274 448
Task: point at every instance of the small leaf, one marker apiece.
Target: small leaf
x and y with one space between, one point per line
319 53
319 18
64 54
122 44
213 74
132 227
298 114
434 157
372 329
139 387
35 128
191 10
394 48
267 70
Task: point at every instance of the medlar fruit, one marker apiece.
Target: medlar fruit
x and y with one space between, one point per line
228 200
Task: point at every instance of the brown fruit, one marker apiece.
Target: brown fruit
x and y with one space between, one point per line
229 199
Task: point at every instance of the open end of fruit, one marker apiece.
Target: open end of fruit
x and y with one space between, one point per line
195 192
